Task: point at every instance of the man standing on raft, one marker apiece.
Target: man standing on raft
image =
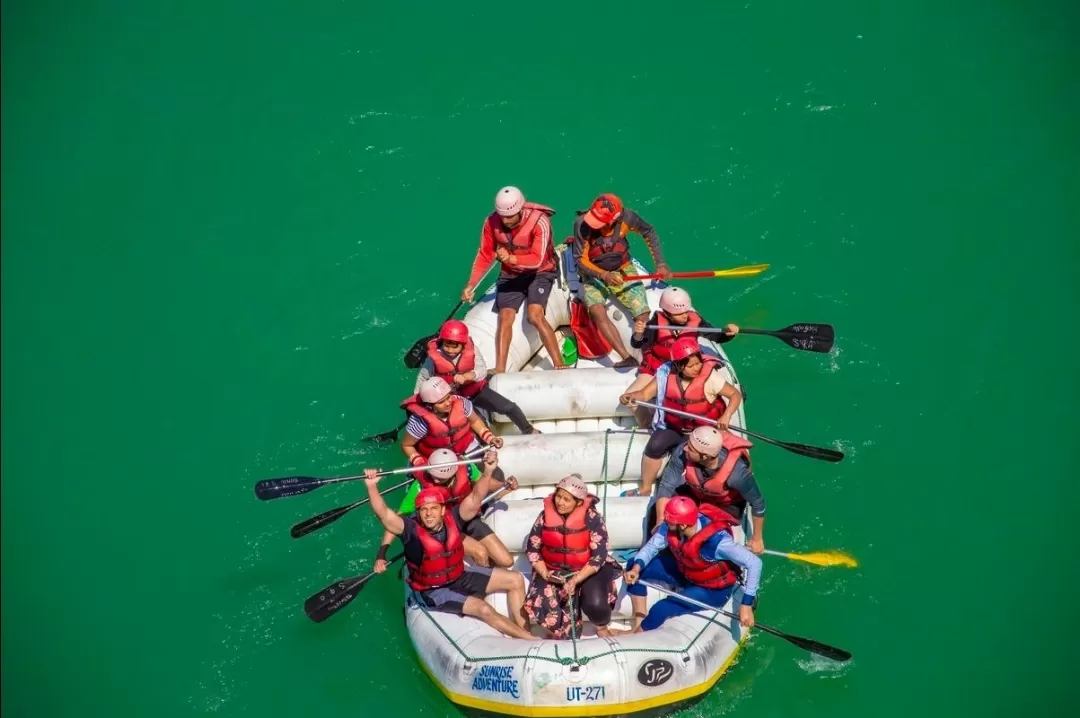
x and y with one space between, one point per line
518 234
602 252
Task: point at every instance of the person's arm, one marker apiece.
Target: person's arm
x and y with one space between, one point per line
480 428
724 337
646 339
716 386
533 544
670 479
427 369
637 224
485 256
389 519
586 265
479 370
645 393
742 480
652 547
539 246
415 430
727 550
471 504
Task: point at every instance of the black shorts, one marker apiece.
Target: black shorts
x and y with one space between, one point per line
477 529
451 597
662 442
533 288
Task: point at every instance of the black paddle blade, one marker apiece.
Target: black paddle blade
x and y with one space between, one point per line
813 452
269 489
808 337
808 644
416 355
324 519
334 597
386 436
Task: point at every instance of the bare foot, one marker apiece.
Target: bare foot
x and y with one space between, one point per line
604 632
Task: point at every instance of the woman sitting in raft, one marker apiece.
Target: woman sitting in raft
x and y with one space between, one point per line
695 386
482 546
440 419
434 548
453 357
568 550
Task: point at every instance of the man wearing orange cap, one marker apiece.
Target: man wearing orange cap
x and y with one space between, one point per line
602 252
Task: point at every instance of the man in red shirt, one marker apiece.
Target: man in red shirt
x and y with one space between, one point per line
518 234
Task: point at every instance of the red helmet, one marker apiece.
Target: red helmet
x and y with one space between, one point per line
684 347
455 330
680 510
434 495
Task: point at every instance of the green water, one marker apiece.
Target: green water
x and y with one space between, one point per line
223 223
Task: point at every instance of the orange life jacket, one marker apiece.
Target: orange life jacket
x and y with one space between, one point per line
453 433
442 562
714 489
518 241
458 488
446 369
564 540
660 351
691 400
699 570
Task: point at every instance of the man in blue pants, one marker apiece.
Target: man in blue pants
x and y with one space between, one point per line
702 562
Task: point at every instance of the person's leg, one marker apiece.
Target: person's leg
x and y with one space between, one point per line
509 296
538 293
514 584
593 597
476 531
663 571
671 606
643 414
660 445
491 400
595 293
476 552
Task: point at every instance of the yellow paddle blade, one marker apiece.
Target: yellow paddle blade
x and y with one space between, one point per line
747 271
825 558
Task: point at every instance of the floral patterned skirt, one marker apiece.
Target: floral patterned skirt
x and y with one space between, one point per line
547 604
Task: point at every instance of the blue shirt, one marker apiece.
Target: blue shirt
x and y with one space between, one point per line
721 547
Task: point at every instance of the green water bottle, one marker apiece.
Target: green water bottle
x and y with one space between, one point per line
569 350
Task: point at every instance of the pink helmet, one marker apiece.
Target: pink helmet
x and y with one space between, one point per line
574 485
455 330
441 456
680 510
434 390
675 301
706 440
509 201
684 347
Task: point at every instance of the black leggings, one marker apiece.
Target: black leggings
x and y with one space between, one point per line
593 595
492 401
662 442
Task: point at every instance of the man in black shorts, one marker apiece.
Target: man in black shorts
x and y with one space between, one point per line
518 235
435 554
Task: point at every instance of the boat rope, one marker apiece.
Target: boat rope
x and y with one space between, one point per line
604 465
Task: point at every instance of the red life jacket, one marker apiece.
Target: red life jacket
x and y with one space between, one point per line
699 570
660 351
446 369
455 433
459 487
714 489
692 399
518 241
564 540
443 562
615 243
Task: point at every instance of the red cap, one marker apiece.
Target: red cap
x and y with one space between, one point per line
605 209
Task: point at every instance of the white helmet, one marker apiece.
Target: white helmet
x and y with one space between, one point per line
434 390
509 201
675 301
707 440
441 456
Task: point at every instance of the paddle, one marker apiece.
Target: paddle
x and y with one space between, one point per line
807 644
807 337
387 436
820 558
269 489
328 517
339 594
747 271
813 452
418 351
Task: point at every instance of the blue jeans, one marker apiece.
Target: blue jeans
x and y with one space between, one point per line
664 571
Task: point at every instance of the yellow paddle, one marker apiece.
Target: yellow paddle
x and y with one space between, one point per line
750 270
820 558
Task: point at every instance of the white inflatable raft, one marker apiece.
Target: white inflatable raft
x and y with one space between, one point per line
586 431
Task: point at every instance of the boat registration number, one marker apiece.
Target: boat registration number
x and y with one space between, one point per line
585 693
